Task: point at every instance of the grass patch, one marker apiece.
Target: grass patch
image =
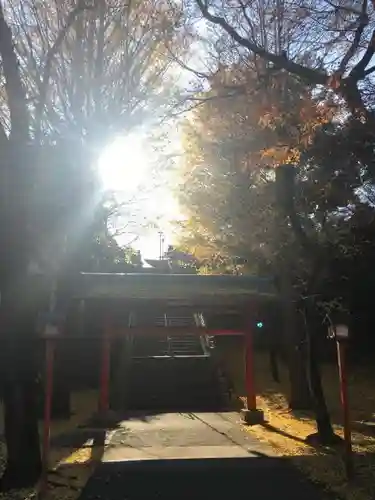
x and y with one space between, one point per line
286 430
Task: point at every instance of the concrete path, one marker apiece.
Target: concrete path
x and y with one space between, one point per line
180 435
192 456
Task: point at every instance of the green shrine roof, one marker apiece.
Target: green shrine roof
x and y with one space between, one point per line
175 287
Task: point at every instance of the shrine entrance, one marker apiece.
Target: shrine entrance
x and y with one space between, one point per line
159 321
161 361
156 335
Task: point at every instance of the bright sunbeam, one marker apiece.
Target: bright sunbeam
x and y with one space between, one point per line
128 167
125 164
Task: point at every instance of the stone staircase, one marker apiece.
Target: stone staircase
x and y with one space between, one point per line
174 384
173 373
163 345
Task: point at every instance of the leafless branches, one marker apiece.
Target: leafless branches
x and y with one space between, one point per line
98 68
363 21
280 60
53 50
328 43
16 97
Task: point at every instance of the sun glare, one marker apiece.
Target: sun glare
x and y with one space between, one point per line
125 164
127 167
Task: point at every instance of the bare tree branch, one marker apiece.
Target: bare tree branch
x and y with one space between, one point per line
19 115
248 20
311 75
362 23
183 65
80 7
344 8
358 72
370 70
99 61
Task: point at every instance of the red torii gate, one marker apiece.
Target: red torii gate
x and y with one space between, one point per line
196 292
250 415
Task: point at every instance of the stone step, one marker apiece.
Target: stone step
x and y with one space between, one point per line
175 383
167 344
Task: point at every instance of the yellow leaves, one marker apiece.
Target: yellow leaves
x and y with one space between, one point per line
290 130
266 120
286 431
229 140
276 155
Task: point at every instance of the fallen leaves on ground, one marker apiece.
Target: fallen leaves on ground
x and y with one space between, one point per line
286 430
70 468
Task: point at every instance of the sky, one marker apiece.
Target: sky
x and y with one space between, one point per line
139 176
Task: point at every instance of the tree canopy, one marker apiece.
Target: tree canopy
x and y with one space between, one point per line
232 146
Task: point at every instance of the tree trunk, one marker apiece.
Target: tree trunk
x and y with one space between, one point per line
20 388
274 365
285 177
20 396
325 434
293 340
23 466
299 398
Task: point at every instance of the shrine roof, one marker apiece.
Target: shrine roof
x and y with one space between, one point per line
174 287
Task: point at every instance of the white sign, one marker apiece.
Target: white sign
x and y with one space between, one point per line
342 331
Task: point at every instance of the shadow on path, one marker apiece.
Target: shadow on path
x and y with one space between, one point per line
73 476
258 478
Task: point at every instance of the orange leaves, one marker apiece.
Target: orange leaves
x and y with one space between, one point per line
230 145
276 155
272 116
288 121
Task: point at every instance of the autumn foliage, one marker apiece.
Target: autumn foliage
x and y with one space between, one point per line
247 125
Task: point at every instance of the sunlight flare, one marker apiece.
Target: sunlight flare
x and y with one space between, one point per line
125 164
132 169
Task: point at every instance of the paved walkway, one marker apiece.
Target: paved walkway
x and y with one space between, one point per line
180 435
192 456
